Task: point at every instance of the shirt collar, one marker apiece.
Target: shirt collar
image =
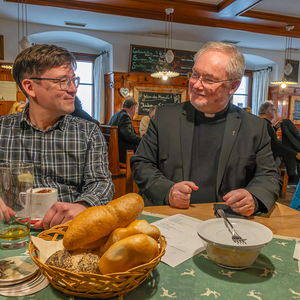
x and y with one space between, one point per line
24 120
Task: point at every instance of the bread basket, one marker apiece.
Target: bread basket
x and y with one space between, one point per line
92 285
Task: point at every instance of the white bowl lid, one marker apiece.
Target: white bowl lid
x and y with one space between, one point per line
215 231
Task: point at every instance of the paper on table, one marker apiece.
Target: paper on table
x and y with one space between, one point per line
297 252
182 239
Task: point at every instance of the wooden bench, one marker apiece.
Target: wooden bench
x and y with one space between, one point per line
122 177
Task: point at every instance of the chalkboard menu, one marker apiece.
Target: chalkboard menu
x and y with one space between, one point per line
150 59
297 110
155 96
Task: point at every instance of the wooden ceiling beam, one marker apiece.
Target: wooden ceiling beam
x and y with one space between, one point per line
236 7
189 13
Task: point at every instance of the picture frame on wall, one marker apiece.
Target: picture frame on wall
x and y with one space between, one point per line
1 48
294 75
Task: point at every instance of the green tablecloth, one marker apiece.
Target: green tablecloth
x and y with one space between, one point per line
274 275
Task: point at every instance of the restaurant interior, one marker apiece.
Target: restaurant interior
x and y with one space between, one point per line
125 43
266 32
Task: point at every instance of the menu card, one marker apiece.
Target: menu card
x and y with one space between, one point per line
183 241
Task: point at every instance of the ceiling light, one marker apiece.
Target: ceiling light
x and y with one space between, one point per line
288 68
168 56
23 26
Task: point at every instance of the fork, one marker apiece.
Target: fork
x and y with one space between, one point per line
235 236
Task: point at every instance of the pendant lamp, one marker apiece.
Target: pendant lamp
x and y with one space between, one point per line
22 25
288 69
164 72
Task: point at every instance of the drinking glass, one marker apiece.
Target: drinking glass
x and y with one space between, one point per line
16 181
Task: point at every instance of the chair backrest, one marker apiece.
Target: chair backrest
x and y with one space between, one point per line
110 134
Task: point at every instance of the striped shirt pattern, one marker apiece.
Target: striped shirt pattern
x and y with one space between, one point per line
70 156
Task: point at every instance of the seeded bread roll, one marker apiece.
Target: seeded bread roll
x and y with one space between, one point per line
128 253
99 221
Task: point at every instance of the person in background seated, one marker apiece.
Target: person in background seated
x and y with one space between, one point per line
145 120
289 156
207 149
127 137
68 153
295 203
17 107
248 109
79 112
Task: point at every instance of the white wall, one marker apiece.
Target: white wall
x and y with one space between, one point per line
80 40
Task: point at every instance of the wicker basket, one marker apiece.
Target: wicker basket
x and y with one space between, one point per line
93 285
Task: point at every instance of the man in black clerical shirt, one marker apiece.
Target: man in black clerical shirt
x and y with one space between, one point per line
207 149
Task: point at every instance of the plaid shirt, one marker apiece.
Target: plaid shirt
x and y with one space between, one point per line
70 156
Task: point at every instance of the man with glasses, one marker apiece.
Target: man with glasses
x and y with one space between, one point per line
68 153
207 149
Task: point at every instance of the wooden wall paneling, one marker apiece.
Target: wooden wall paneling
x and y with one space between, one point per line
129 81
5 75
109 96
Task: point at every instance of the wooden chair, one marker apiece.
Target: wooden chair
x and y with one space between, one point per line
283 173
122 177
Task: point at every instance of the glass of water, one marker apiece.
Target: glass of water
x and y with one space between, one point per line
16 182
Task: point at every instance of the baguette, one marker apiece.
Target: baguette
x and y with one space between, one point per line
136 227
128 253
97 222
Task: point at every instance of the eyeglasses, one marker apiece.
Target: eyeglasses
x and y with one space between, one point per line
205 81
64 82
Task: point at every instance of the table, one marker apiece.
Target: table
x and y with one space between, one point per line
282 220
275 275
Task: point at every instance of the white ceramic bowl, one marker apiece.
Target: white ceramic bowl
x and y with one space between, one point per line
223 251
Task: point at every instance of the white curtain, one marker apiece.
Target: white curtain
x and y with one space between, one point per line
99 90
260 88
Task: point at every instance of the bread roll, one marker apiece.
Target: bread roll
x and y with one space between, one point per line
99 221
128 253
136 227
75 261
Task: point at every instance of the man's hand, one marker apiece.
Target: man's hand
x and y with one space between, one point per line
278 124
180 194
5 212
240 201
59 213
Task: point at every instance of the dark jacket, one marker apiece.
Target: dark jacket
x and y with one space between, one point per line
164 155
83 115
127 137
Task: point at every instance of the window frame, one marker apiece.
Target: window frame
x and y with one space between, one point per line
249 75
85 57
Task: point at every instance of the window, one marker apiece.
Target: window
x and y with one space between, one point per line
242 96
85 90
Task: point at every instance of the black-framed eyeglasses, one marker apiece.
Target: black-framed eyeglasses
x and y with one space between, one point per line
204 80
64 82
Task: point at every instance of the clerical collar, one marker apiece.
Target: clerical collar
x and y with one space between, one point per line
204 117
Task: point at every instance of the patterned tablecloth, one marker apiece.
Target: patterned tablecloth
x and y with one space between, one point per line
274 275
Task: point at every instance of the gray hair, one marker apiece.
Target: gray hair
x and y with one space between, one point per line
264 107
236 65
129 102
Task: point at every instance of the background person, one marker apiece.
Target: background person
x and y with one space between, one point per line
207 149
289 156
68 153
17 107
79 112
127 137
145 120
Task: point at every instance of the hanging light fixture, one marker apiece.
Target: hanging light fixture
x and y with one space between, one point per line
22 25
168 55
288 69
